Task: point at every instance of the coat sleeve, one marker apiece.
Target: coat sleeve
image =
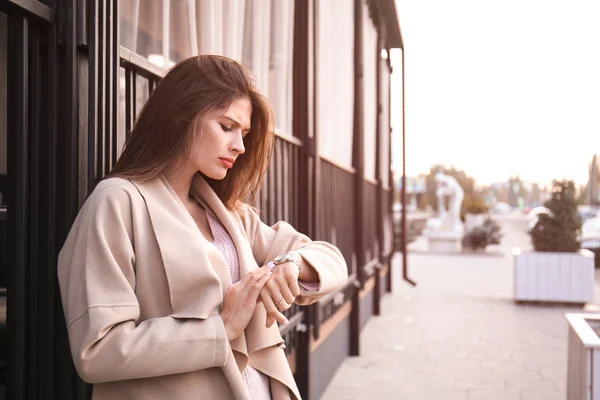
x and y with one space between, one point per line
269 241
96 271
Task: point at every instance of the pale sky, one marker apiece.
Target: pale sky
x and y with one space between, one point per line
499 88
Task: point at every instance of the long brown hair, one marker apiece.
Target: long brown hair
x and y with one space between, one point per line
165 126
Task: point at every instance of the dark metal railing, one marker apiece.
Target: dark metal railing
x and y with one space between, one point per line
278 199
137 79
336 209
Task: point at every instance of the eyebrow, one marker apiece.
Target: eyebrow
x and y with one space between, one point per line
236 123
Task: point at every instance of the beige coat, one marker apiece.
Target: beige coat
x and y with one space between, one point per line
142 290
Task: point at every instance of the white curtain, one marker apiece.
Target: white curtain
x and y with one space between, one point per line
281 68
257 33
335 77
256 41
384 123
370 65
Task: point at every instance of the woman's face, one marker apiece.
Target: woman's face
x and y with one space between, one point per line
219 139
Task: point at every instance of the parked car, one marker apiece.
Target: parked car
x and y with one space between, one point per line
587 212
533 216
501 208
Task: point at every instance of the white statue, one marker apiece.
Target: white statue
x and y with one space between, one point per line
449 186
447 220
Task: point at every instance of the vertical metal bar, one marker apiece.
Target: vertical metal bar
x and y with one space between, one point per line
50 316
107 81
280 181
379 188
391 181
114 83
102 97
133 98
129 100
358 163
315 181
17 196
272 190
93 92
82 22
287 182
67 384
32 205
301 126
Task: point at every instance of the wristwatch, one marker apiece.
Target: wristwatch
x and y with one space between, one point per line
286 258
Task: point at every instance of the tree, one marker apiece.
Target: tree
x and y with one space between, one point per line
559 230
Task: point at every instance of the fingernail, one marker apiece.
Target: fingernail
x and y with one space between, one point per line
286 321
271 264
269 273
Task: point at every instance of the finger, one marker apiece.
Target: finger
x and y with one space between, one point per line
292 281
270 321
276 292
273 311
286 292
255 289
251 280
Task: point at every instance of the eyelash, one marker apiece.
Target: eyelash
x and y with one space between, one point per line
225 128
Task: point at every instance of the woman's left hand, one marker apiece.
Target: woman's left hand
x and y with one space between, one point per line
280 292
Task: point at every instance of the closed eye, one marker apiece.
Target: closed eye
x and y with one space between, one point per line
225 128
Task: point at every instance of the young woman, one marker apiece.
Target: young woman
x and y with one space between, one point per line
170 283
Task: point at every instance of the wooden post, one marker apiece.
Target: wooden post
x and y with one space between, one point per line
302 125
379 194
358 164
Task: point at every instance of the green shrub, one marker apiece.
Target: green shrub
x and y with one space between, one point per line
559 230
480 237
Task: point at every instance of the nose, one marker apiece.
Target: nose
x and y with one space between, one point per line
237 144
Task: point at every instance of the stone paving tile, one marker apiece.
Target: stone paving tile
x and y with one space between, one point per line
543 396
494 394
459 335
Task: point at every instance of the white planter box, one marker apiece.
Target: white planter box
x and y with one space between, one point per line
583 368
554 277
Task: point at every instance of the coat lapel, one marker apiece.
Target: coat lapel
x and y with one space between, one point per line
258 336
198 275
196 272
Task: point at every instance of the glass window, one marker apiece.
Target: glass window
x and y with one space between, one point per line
258 33
141 28
280 63
335 79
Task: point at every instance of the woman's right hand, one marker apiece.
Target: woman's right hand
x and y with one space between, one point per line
240 301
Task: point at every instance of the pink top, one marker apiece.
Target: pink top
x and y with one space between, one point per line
256 382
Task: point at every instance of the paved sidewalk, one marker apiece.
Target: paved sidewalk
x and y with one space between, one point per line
458 335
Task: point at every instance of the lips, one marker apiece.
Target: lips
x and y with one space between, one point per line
227 162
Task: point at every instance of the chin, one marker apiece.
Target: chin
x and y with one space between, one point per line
217 175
